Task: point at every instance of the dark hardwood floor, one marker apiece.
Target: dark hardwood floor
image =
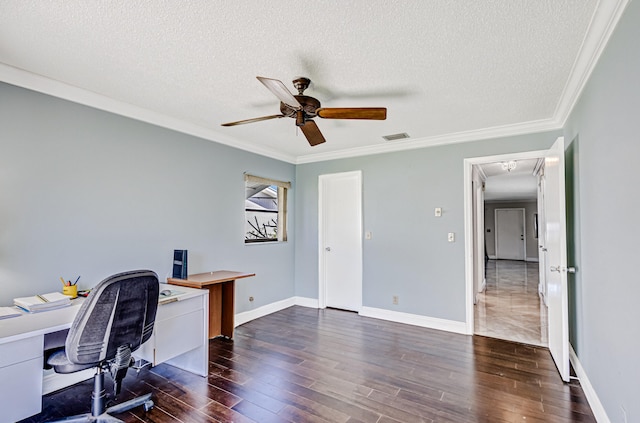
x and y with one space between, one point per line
307 365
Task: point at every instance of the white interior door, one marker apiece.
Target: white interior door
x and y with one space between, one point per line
341 240
556 257
510 234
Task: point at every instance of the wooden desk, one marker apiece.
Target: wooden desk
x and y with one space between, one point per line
221 286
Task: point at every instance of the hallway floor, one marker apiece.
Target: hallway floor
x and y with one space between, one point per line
510 307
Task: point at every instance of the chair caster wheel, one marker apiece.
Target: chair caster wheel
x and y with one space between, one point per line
148 405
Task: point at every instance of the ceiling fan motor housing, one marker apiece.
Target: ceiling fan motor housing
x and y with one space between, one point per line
309 106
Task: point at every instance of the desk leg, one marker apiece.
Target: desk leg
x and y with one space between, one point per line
221 309
228 309
215 310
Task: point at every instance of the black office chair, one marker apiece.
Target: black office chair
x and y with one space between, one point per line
115 319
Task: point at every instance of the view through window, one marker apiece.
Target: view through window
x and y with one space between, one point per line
265 209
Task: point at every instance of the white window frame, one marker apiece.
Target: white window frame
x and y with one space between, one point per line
282 190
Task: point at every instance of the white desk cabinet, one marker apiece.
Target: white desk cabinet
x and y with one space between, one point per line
180 333
20 374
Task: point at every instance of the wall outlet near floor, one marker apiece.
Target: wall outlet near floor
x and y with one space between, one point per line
395 300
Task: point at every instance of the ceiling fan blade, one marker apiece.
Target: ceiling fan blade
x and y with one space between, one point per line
258 119
374 113
280 91
312 132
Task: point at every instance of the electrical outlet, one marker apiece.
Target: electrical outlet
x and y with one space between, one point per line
251 299
438 212
451 237
368 235
395 300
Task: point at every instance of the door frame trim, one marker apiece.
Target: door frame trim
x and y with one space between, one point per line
468 221
322 283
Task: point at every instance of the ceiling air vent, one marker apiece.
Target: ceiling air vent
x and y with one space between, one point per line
395 137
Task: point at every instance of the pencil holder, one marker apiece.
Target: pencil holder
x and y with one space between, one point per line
70 290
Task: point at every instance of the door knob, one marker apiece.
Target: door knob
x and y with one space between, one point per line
569 269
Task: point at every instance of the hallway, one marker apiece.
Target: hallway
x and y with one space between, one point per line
510 307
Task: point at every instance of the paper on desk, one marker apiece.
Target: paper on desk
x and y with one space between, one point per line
42 302
7 312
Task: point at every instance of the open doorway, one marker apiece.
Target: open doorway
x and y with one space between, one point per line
552 243
507 294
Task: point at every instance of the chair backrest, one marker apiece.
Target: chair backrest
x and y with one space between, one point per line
120 310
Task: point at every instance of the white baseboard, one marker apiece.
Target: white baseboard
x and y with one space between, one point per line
483 286
307 302
589 392
415 320
247 316
376 313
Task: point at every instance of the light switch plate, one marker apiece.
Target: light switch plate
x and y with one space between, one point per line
438 211
451 237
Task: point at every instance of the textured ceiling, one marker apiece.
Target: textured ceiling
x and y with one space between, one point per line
447 70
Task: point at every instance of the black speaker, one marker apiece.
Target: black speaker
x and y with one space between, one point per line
180 264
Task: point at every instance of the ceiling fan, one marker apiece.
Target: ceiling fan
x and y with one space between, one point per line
304 108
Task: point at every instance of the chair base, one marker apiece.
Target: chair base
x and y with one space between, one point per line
98 401
106 417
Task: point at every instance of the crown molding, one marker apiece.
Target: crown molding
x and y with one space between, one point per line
544 125
604 21
35 82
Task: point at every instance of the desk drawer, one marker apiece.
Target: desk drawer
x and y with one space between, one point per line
179 335
21 350
21 390
178 308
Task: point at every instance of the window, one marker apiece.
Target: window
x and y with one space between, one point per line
265 209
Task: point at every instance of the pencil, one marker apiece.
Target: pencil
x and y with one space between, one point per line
63 282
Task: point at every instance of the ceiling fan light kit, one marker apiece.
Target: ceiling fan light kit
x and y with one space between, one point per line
304 108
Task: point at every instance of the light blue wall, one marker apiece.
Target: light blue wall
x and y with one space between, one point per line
408 255
85 192
604 157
